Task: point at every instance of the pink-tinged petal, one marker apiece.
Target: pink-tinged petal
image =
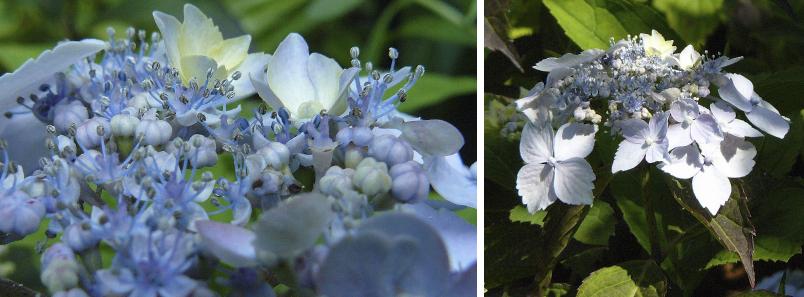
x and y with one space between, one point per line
574 140
230 243
678 135
711 188
735 157
536 144
634 130
722 111
740 128
628 156
684 162
737 91
533 183
574 181
768 121
705 130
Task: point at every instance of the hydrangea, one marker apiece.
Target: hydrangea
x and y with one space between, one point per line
656 100
129 128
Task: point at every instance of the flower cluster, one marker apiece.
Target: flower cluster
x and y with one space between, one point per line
660 103
130 127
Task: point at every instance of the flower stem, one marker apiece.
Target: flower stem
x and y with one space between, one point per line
650 215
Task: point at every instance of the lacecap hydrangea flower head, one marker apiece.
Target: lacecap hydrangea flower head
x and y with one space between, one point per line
129 128
659 102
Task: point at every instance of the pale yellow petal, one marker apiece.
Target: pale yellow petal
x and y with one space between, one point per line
231 52
198 32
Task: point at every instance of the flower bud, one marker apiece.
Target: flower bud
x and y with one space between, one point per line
20 213
275 154
59 268
74 292
154 132
371 177
336 181
124 125
80 236
410 183
65 145
203 151
360 136
352 157
87 133
390 149
67 114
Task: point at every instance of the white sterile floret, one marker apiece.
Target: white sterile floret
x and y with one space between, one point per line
656 45
556 169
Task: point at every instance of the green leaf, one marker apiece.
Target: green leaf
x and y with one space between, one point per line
761 293
693 20
731 226
511 253
495 30
598 225
502 153
630 279
434 88
436 29
778 225
591 23
325 10
442 9
520 214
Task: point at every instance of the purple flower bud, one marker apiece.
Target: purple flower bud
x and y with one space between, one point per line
80 236
410 183
154 132
67 114
21 214
203 151
87 134
360 136
59 268
74 292
390 149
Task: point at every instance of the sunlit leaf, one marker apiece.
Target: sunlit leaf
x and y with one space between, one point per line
629 279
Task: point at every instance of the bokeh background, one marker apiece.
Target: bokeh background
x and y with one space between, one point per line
438 34
769 34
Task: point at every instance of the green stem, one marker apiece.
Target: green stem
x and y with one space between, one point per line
650 215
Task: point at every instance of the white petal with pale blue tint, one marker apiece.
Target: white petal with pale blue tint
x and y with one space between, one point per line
705 130
711 188
737 91
683 162
230 243
287 73
567 60
458 235
34 72
628 156
766 120
573 181
536 143
574 140
534 182
734 157
678 135
452 179
432 137
254 64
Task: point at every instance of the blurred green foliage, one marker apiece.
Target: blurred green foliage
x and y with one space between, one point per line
769 34
438 34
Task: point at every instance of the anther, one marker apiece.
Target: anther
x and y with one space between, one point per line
393 53
354 52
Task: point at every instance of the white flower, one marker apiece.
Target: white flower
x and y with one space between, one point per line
303 83
693 124
555 167
739 91
197 45
727 121
642 140
710 171
655 45
688 58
